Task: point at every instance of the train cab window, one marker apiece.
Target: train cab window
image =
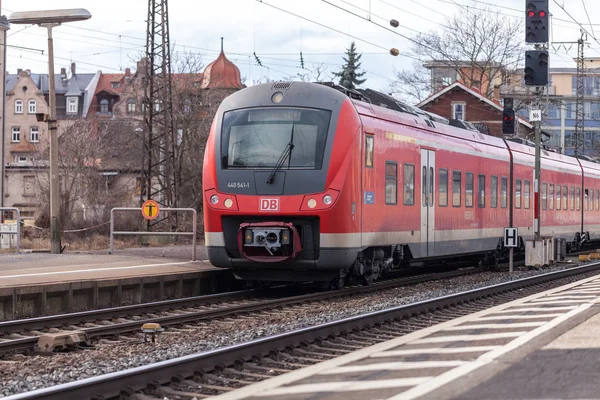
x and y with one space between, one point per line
565 197
469 190
578 199
572 197
504 192
558 190
544 196
409 184
526 194
369 144
456 184
494 192
481 191
518 195
443 188
551 197
586 199
391 182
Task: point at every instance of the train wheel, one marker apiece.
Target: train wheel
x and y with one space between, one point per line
368 279
339 281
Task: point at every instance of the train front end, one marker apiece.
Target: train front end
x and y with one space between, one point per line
278 182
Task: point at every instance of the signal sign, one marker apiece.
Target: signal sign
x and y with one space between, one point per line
536 68
150 209
536 21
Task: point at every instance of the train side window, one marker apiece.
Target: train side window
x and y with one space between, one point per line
494 192
481 191
443 188
527 194
456 184
551 197
597 200
391 182
558 190
592 200
518 194
578 199
544 196
566 197
369 144
409 185
586 199
572 197
469 190
504 192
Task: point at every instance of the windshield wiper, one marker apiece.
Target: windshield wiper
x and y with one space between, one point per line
287 152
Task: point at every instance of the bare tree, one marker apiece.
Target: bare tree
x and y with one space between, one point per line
412 86
478 45
314 74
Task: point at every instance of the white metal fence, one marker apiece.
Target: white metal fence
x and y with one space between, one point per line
17 231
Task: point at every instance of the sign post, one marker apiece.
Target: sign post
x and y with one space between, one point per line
510 241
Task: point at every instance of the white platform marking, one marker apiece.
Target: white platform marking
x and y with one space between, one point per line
435 350
559 301
508 325
517 316
537 309
468 338
350 386
393 366
582 297
93 270
453 374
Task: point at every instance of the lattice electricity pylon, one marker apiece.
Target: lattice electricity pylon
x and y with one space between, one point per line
579 134
160 183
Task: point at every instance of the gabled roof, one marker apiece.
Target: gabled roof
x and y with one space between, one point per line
473 93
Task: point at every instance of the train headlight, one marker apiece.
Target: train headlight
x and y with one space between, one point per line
312 203
214 199
277 97
228 203
327 199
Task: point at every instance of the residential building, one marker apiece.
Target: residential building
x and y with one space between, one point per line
480 76
458 101
559 105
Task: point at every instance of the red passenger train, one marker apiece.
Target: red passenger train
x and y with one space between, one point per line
312 182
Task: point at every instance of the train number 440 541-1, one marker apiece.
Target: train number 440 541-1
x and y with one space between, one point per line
238 185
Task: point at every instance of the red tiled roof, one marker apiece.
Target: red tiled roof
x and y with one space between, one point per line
105 84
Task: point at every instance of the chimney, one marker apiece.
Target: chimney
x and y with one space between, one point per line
127 71
63 72
19 70
496 92
73 68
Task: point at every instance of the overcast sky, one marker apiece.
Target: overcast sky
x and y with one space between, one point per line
115 34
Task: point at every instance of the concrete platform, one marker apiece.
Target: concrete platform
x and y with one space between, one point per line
44 284
545 346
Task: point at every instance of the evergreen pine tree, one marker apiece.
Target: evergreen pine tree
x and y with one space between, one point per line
349 75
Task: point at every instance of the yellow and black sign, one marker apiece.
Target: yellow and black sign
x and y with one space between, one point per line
150 209
249 237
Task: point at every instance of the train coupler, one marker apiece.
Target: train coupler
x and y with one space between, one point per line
269 241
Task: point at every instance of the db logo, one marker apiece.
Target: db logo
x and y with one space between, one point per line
269 204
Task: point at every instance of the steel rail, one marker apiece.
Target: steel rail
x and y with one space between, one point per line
110 385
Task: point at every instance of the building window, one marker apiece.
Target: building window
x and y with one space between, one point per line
72 105
16 134
187 106
21 159
458 111
409 184
34 135
32 107
104 106
19 107
456 183
391 183
369 139
115 84
131 105
443 188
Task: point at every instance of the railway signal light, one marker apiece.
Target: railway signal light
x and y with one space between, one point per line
508 121
536 21
536 67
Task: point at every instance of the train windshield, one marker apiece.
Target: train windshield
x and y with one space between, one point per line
257 138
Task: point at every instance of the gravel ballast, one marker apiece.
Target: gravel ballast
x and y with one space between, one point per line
21 373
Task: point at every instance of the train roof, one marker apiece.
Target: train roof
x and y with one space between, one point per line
382 105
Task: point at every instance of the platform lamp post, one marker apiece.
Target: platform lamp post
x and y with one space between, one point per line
50 19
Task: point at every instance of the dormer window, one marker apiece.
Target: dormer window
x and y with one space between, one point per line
115 84
72 105
104 106
19 107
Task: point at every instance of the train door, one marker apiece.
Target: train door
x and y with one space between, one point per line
427 202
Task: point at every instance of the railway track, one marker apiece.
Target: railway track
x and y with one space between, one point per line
225 369
23 335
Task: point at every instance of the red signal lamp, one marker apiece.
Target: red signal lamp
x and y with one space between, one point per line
531 13
542 14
